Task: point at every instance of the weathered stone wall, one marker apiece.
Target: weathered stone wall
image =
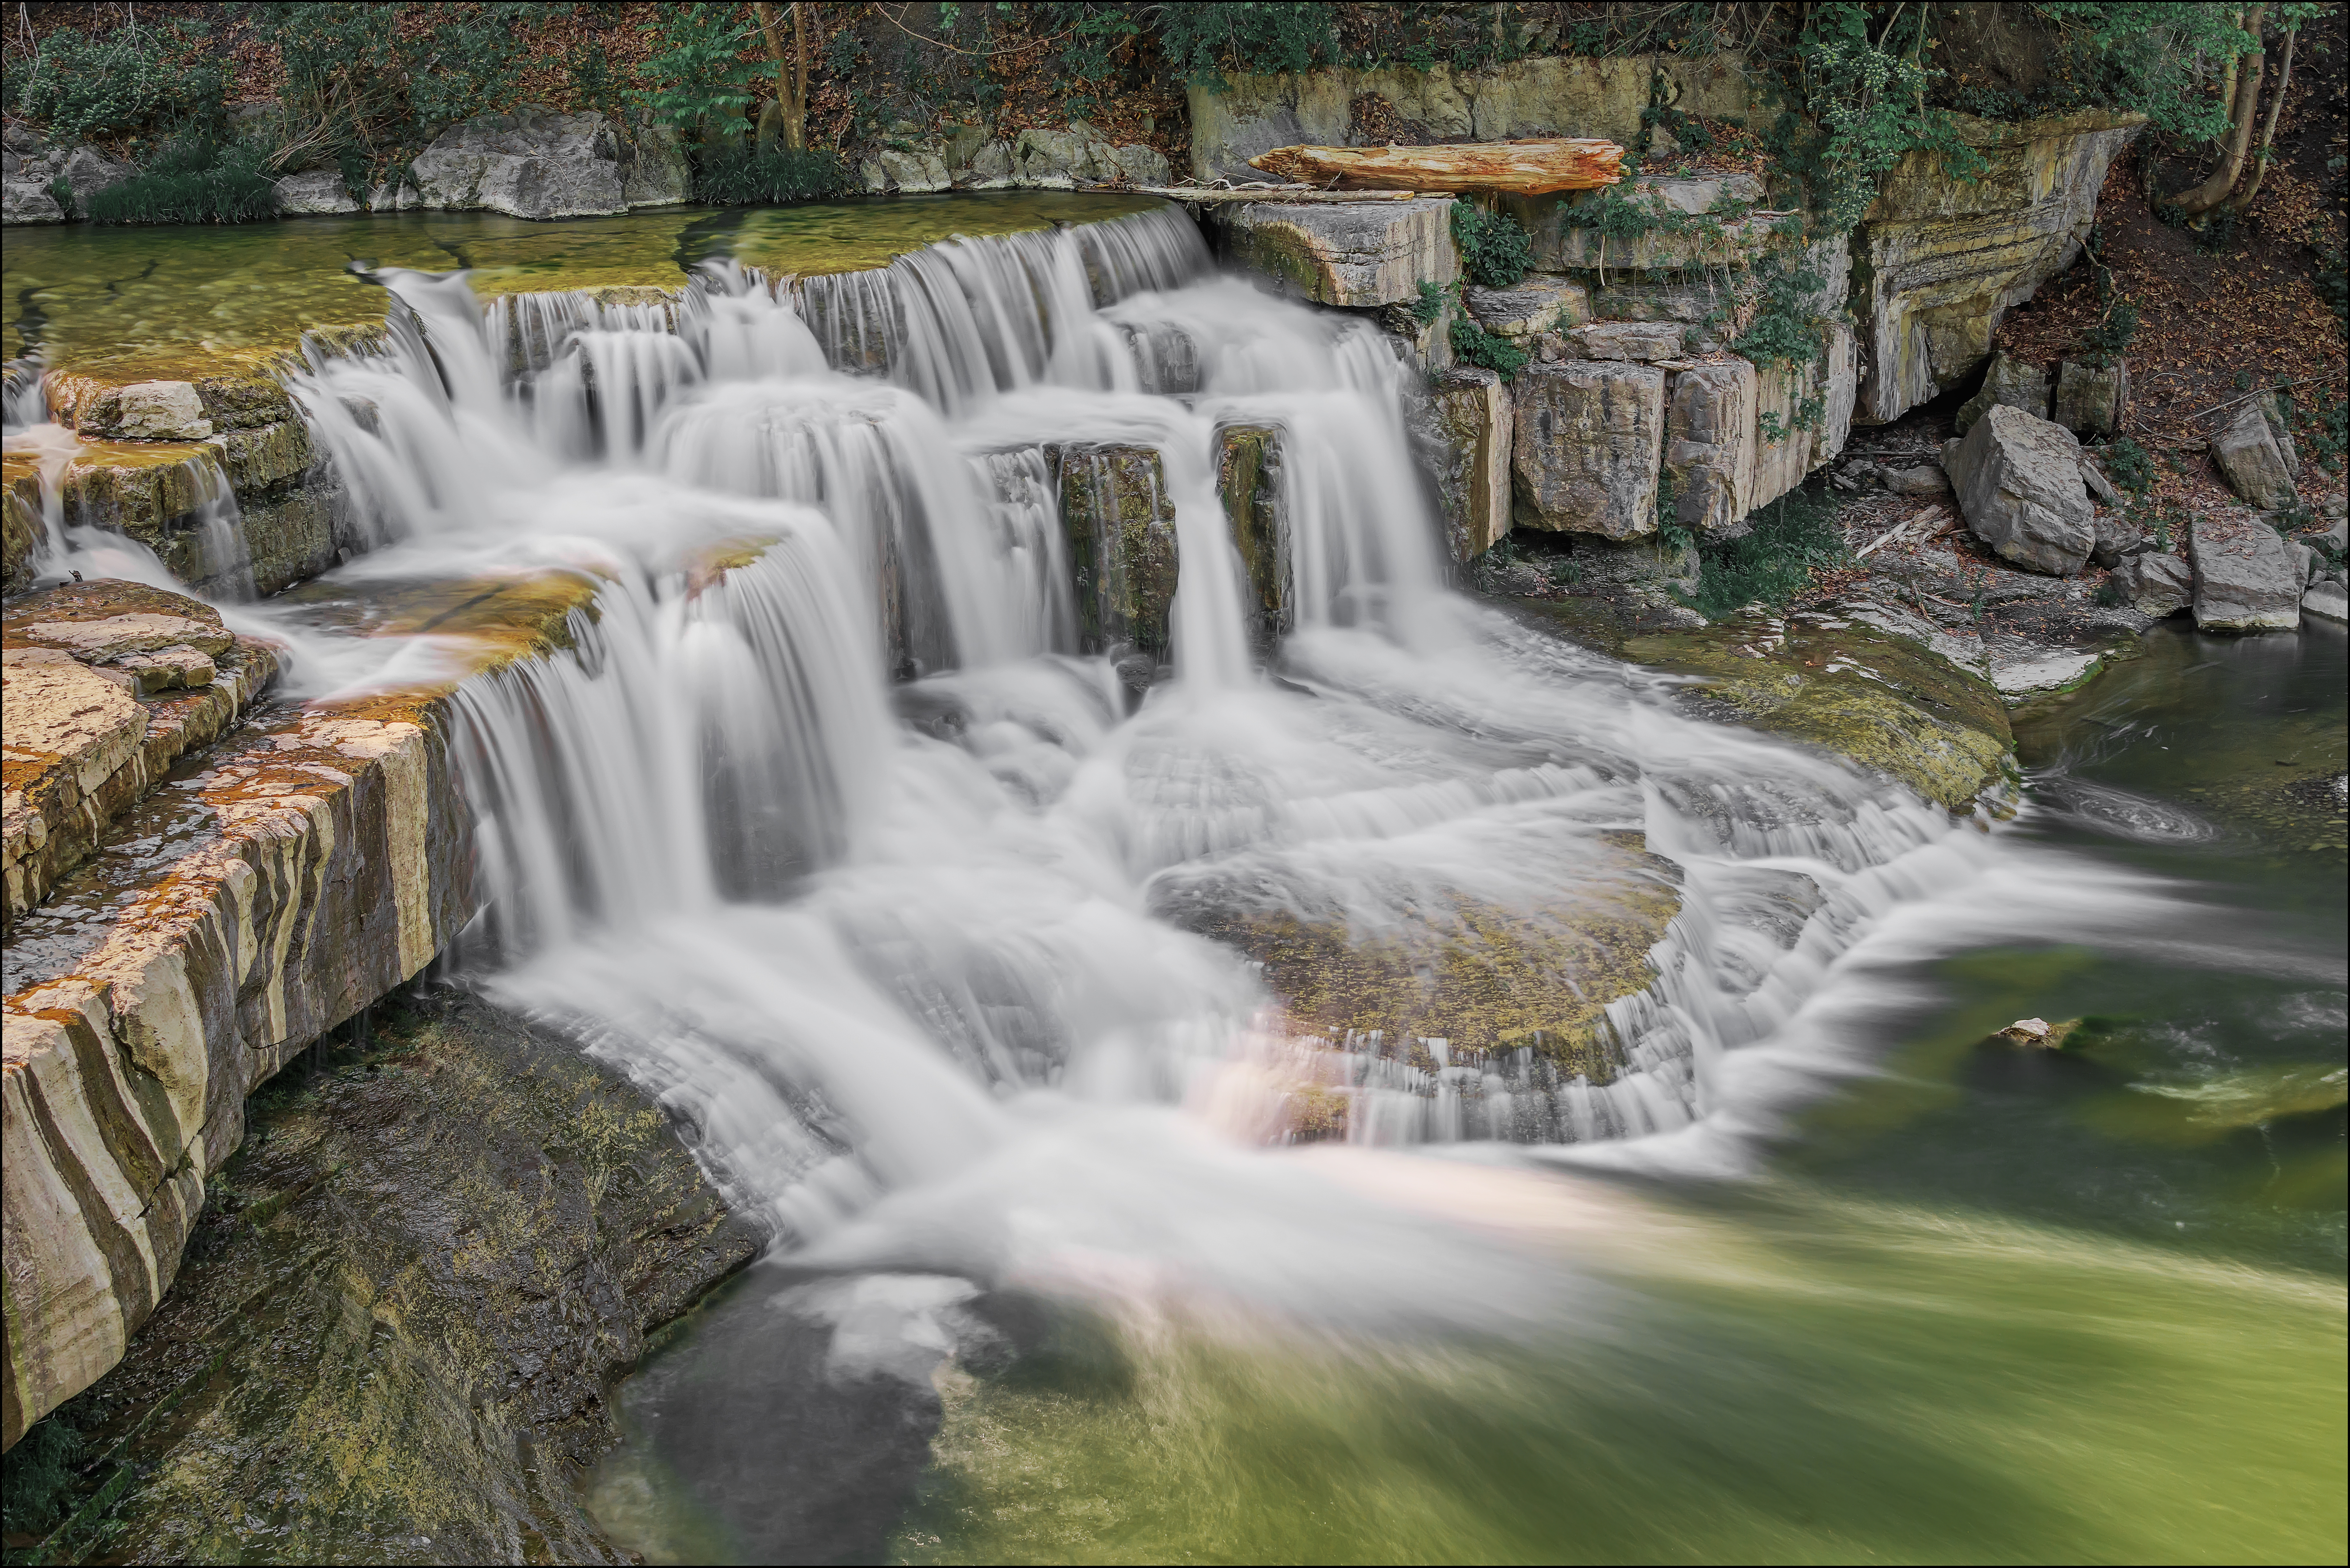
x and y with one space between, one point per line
1939 260
1545 97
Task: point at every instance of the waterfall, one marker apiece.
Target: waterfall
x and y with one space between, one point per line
865 823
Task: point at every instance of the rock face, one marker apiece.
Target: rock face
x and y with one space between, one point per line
1646 341
2246 579
1246 116
2327 601
1248 480
537 163
1539 302
1585 453
2019 489
29 168
2091 400
108 683
1120 526
1343 253
319 859
1943 259
1806 414
1710 431
1476 422
410 1294
2007 383
2248 453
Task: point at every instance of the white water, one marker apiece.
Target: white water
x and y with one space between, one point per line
911 958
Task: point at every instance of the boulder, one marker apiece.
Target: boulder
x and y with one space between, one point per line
2269 410
1141 165
2327 601
1942 258
2246 578
2154 584
653 167
2248 453
1925 479
1589 434
161 410
314 191
992 167
1648 341
1343 253
2092 398
2114 538
913 172
1537 304
2019 484
28 201
532 164
2010 383
2093 475
1475 422
1709 454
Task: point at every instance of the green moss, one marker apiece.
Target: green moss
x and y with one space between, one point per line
1248 468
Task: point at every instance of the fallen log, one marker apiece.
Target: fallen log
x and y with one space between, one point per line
1213 195
1529 167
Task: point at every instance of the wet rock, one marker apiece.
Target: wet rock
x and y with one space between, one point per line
1649 568
1710 439
20 532
1120 526
532 164
1943 259
1587 447
2248 453
2092 398
1646 341
2246 578
2006 383
2039 1034
2327 601
405 1304
1475 424
1343 253
1248 479
161 410
318 859
2154 584
314 191
1537 304
2019 488
2042 671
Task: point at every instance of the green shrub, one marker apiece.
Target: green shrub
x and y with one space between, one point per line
2128 465
1429 305
1476 346
1785 330
127 80
1771 564
728 178
1204 41
192 181
1495 249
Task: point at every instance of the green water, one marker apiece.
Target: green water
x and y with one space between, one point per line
1977 1303
159 300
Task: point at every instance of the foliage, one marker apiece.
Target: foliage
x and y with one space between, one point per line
1785 329
1495 249
1862 106
2331 278
356 80
1476 346
61 192
2128 465
726 177
130 80
2156 58
2104 341
193 180
1771 564
697 71
1429 305
39 1468
1204 41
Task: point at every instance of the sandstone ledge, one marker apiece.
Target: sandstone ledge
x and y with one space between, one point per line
294 874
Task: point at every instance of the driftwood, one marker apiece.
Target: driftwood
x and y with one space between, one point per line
1213 194
1532 168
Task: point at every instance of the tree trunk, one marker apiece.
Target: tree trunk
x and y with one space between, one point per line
791 90
2194 203
2243 199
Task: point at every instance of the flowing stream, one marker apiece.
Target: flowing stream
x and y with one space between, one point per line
904 892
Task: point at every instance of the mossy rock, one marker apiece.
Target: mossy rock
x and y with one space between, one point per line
1120 526
1882 701
404 1300
1248 480
1484 978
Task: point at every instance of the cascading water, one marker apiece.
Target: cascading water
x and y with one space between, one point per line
862 954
